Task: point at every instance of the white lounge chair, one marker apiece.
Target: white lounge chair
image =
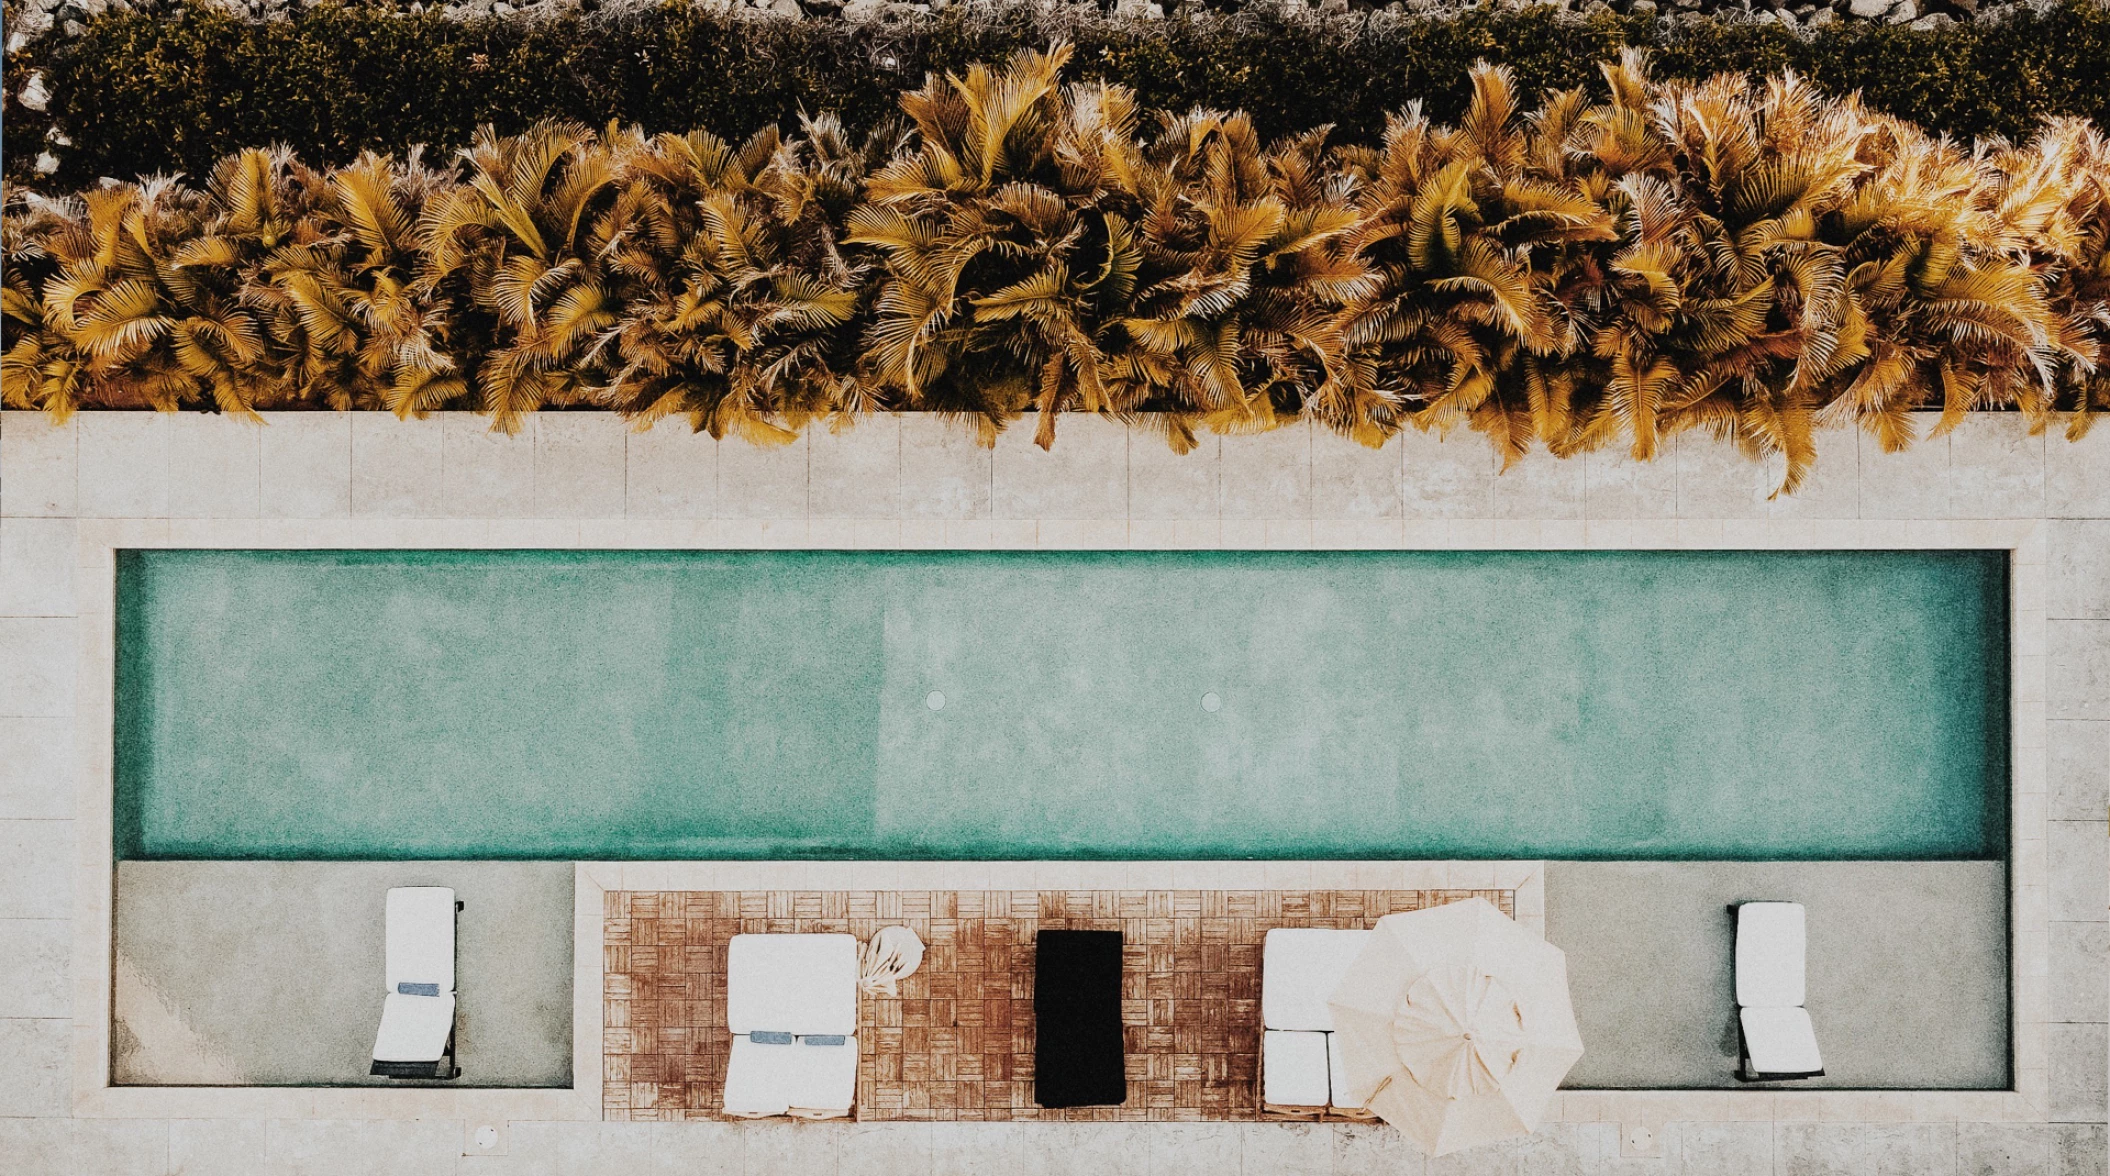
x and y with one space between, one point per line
791 1002
416 1038
1299 969
1771 955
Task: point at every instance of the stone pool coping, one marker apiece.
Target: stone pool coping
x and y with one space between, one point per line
100 539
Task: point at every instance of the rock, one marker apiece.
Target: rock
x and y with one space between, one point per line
34 95
787 9
1868 9
1821 18
1934 20
1906 12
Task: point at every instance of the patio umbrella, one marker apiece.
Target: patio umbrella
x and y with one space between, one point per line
1455 1025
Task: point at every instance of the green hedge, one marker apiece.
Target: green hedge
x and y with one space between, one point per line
140 94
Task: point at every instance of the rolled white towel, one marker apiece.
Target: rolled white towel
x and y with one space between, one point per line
891 955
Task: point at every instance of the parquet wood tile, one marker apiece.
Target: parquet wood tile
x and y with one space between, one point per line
957 1042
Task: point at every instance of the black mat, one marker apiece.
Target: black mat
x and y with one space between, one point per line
1077 1055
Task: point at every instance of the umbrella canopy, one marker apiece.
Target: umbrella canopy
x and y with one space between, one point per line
1455 1026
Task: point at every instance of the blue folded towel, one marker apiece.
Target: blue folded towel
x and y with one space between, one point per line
408 989
765 1037
823 1039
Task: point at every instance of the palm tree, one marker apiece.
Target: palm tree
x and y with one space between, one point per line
136 305
520 248
742 303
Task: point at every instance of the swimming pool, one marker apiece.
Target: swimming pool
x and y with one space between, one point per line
631 705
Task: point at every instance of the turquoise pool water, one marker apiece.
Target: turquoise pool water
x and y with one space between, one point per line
1150 705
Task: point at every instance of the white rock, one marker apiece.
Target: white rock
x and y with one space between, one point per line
1869 9
34 94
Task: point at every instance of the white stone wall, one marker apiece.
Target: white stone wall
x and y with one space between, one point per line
326 479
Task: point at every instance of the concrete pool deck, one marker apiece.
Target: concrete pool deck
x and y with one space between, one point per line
69 494
269 973
1908 975
1908 970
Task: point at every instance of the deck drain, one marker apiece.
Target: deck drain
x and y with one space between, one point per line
935 700
1212 703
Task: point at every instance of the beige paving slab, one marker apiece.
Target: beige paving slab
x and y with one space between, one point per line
38 464
1352 481
37 561
305 465
856 470
485 474
1542 487
1266 475
215 466
671 473
396 469
759 482
579 465
2077 476
1718 481
1083 475
1996 468
1173 487
123 464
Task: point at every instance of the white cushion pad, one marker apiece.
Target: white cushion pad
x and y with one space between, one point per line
1339 1075
1300 968
418 937
1780 1041
791 984
777 1079
1293 1068
1770 955
414 1028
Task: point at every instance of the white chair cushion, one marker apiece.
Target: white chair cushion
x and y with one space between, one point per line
1780 1041
1338 1068
1770 955
418 937
1293 1069
780 1079
1299 969
791 984
414 1028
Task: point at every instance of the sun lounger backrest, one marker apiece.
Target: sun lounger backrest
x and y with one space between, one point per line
1771 953
1300 967
798 984
418 946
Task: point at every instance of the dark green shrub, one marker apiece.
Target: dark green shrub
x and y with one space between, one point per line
138 94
